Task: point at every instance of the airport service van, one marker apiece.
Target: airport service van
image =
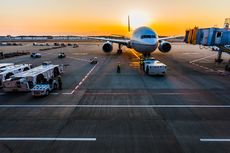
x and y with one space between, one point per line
154 67
7 72
25 81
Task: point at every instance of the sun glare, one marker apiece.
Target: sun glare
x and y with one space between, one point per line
138 18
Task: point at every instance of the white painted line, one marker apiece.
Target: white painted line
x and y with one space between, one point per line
67 93
114 106
190 53
81 54
135 54
201 66
215 140
47 139
202 58
54 93
82 81
79 59
77 87
141 93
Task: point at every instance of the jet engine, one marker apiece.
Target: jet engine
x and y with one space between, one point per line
164 46
107 47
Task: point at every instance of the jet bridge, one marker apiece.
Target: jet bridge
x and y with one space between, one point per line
216 38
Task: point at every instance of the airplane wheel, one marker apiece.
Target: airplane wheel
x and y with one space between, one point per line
227 67
55 86
147 70
47 92
119 51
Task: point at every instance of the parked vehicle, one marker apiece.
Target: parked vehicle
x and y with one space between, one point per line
45 88
75 45
4 65
154 67
61 55
25 81
36 55
7 72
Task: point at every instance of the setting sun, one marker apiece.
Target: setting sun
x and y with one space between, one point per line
138 18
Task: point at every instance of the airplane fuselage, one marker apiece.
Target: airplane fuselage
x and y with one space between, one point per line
144 40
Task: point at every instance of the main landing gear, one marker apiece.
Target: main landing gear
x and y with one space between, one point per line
119 51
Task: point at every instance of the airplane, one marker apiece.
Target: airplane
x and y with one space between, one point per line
143 40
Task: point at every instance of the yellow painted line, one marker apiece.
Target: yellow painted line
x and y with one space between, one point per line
135 54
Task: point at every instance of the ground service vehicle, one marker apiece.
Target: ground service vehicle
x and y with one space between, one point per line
154 67
7 72
45 88
61 55
25 81
4 65
36 55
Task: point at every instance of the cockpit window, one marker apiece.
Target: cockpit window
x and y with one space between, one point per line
147 36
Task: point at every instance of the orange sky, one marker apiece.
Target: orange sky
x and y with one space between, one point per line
89 17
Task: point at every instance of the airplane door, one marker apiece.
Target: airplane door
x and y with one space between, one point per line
218 38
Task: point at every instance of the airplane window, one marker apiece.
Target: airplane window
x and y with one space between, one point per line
148 36
218 34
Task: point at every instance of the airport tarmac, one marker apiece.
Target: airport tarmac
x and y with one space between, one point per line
100 111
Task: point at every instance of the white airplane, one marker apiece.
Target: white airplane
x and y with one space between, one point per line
143 40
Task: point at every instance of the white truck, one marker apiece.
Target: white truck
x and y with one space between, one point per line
154 67
25 81
7 72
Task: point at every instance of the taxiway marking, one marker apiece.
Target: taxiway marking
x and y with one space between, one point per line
203 67
141 93
46 139
75 58
79 59
83 80
114 106
135 54
215 140
199 59
54 93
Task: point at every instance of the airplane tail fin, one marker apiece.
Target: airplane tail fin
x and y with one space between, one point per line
129 28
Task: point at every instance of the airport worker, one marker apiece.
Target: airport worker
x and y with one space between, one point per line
118 68
141 64
59 82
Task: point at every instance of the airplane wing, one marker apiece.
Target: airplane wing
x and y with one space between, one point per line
119 41
171 37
